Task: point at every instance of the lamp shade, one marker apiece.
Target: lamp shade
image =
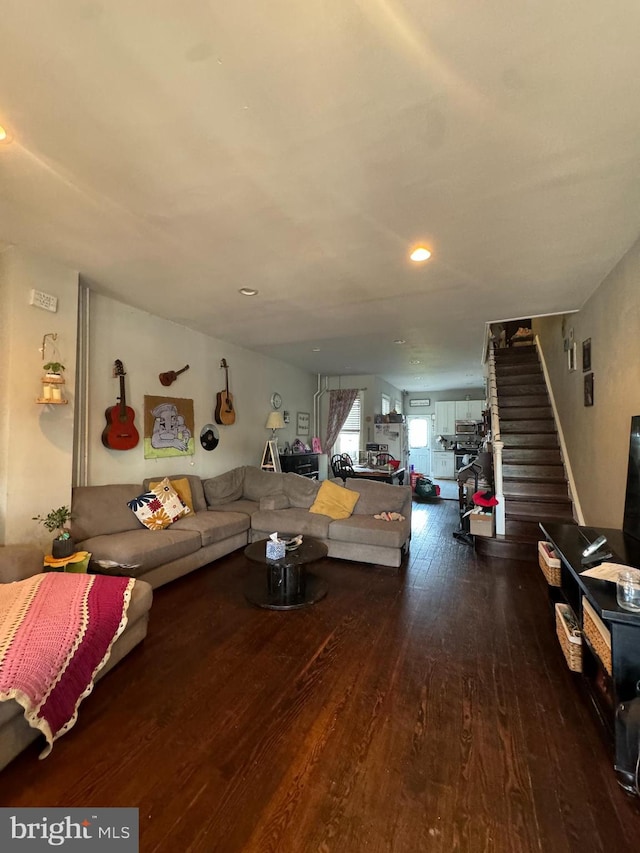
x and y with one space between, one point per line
275 421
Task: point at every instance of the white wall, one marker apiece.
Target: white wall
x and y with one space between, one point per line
598 436
36 441
148 345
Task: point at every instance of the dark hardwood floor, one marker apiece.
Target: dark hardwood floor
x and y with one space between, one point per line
429 710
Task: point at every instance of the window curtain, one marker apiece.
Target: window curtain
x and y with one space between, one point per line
340 403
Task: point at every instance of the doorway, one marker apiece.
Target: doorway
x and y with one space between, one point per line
419 428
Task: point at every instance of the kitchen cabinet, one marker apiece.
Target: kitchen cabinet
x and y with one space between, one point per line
445 417
469 410
443 464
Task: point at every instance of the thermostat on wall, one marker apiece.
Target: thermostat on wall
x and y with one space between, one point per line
43 300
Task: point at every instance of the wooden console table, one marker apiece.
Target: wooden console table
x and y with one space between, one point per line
618 680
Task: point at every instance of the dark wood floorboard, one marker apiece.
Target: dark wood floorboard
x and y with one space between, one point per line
425 710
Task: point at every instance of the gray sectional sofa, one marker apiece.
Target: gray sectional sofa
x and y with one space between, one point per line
231 510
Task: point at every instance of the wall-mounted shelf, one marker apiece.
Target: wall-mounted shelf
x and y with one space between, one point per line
42 401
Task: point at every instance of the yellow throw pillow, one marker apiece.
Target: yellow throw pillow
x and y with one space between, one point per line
334 501
183 489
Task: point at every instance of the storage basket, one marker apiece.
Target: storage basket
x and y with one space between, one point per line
597 634
549 563
570 641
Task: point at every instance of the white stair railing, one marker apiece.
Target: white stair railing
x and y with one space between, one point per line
497 444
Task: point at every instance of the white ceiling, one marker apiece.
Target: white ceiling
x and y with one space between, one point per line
174 152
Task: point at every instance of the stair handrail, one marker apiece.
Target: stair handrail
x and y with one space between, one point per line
573 492
497 444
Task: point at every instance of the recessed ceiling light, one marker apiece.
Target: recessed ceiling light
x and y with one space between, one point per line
316 349
415 361
399 341
420 254
5 138
248 291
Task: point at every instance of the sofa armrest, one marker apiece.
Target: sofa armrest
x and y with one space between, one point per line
18 562
274 502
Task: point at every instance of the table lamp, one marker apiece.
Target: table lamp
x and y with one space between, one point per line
274 421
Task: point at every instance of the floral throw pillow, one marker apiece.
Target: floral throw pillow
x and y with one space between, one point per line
159 507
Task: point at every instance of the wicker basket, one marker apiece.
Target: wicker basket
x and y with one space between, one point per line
597 635
549 563
570 643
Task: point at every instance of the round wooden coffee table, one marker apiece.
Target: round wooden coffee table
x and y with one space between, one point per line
287 584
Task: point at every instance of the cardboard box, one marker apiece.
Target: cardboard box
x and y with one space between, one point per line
481 523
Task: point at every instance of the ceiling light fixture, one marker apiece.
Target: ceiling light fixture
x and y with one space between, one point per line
248 291
399 341
420 254
415 361
316 349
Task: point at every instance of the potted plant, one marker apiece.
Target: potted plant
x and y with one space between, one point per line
63 545
53 369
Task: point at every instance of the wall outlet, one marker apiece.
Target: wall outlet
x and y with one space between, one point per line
43 300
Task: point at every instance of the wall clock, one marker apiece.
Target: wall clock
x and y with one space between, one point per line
276 400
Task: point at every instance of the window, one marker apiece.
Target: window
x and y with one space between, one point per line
349 436
398 407
385 406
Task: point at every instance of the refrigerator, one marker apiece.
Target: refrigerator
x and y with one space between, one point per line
393 438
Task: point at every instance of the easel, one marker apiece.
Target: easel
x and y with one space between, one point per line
271 457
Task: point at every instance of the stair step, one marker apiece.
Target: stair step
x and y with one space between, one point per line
535 491
518 368
515 353
530 427
531 457
527 412
533 471
507 548
523 510
524 531
525 389
521 378
543 440
516 401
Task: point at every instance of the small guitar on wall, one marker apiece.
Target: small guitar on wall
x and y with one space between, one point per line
224 413
120 432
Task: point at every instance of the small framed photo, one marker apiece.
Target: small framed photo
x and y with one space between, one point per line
425 402
586 355
572 356
302 423
588 389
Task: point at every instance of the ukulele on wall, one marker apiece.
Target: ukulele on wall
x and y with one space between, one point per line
120 432
224 413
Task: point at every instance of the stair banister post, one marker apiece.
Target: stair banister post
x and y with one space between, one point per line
497 472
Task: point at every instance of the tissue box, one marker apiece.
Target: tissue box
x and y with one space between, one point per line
275 550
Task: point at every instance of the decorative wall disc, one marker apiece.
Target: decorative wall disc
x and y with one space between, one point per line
209 437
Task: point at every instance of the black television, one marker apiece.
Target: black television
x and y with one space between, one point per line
631 521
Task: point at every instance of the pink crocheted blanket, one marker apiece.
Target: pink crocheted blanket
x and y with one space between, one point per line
56 634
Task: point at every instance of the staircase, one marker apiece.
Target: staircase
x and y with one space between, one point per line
534 481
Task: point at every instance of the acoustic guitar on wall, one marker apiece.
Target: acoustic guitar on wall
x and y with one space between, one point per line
120 432
224 413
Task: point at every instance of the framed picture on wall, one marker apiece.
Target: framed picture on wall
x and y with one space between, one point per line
588 389
302 423
586 355
572 355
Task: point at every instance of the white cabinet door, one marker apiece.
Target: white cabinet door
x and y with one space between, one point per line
443 465
469 410
445 417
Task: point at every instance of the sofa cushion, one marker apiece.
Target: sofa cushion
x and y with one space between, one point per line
366 530
195 485
377 497
247 507
96 510
301 491
159 507
214 526
258 483
142 549
181 486
291 522
334 501
224 488
280 501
